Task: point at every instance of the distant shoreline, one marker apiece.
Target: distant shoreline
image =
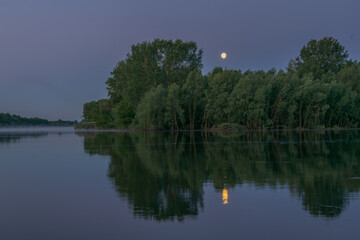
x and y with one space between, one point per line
34 126
11 120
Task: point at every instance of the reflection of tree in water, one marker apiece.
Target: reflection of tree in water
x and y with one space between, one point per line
13 137
162 174
159 180
316 167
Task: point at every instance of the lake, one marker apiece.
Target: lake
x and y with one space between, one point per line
59 184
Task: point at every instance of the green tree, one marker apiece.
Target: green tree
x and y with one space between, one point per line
159 85
123 114
174 113
98 112
284 107
150 64
311 100
319 57
150 113
193 95
220 85
247 99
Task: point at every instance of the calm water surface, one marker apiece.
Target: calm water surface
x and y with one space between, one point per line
58 184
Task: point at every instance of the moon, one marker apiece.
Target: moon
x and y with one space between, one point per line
223 55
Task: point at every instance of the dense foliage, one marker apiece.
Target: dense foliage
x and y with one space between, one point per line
160 86
7 119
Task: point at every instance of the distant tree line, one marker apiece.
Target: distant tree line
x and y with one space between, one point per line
160 86
7 119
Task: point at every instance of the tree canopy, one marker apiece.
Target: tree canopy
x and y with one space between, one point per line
149 65
159 85
319 57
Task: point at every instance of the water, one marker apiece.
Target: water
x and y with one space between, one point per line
58 184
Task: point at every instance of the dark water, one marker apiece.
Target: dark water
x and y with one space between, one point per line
57 184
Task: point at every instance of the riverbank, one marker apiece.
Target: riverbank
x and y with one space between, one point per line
79 129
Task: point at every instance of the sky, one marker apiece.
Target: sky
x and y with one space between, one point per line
55 55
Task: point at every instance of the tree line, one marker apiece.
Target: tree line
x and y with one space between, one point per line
159 85
7 120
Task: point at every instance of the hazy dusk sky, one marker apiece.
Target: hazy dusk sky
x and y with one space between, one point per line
56 55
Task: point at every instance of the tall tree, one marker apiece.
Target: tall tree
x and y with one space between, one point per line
174 113
150 64
320 57
150 113
221 84
193 94
98 112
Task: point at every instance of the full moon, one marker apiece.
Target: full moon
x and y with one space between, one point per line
223 55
